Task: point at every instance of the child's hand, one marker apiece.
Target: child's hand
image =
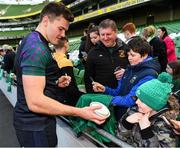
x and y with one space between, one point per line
97 87
134 118
144 121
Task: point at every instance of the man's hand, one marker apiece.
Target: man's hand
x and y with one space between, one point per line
88 113
119 73
97 87
64 81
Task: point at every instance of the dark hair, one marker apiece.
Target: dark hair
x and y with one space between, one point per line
61 43
175 68
174 106
91 25
94 29
89 44
129 27
139 45
54 9
165 32
86 31
108 23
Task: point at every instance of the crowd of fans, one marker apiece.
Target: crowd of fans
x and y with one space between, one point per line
138 80
121 69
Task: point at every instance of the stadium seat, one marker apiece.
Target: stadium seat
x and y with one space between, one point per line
80 78
75 71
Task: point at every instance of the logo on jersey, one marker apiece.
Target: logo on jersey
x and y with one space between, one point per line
133 79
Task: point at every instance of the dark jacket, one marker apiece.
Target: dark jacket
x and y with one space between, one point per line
133 77
9 61
69 95
160 51
158 134
101 64
82 46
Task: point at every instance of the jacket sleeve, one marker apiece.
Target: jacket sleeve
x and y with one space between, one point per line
89 72
124 128
72 89
81 48
6 63
163 138
113 92
127 100
169 45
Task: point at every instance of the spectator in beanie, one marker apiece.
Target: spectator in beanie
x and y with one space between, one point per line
144 125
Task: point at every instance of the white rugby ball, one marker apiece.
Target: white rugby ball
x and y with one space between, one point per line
103 111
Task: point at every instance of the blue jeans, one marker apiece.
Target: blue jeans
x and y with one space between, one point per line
44 138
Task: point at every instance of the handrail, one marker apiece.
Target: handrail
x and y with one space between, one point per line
102 132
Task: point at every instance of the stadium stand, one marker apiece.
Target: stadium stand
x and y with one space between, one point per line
85 11
19 11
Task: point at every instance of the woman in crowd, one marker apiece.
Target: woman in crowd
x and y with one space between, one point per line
94 36
173 68
158 46
91 39
86 43
146 125
171 54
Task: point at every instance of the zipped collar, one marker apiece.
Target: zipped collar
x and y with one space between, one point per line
163 110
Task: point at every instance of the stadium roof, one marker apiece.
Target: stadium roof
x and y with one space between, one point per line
23 2
30 2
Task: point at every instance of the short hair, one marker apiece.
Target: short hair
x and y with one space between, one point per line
61 43
54 9
140 46
108 23
129 27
